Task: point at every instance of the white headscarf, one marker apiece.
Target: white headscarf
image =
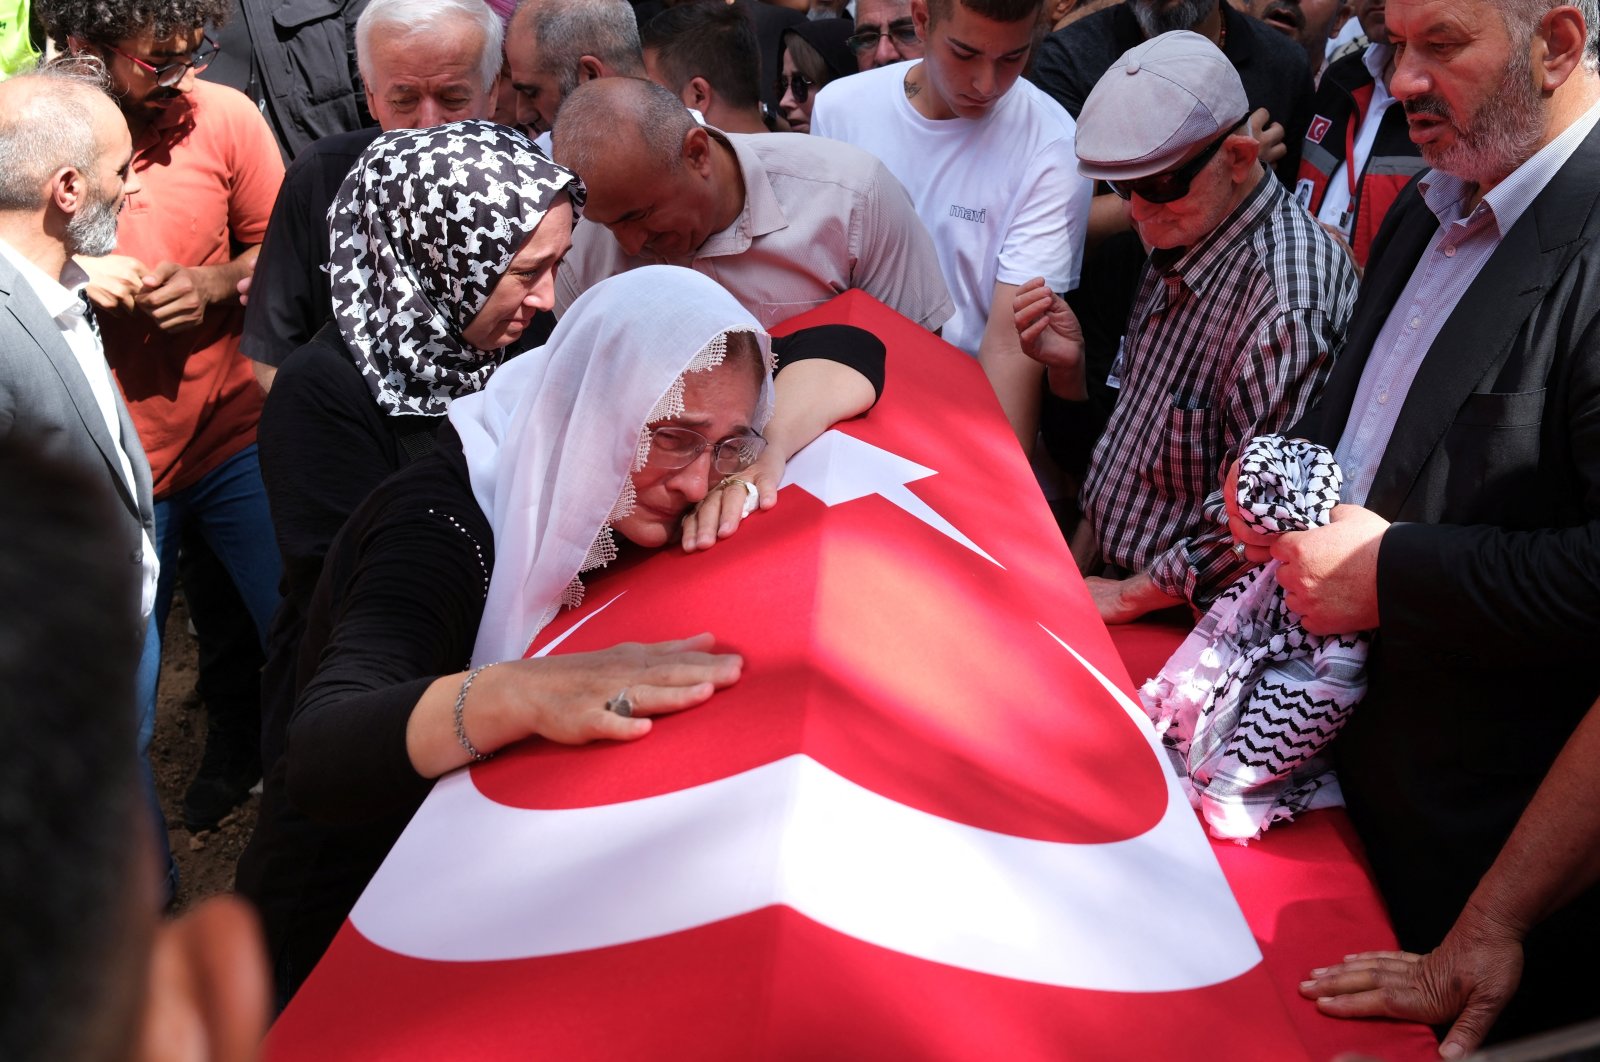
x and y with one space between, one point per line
552 440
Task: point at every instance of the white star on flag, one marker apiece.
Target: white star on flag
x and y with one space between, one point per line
839 468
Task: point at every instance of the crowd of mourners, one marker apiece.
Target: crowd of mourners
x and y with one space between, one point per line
380 324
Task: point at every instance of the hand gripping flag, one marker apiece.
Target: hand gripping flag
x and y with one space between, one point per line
928 822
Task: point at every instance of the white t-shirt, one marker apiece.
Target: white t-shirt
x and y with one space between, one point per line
1001 194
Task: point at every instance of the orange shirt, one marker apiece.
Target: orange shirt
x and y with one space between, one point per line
210 171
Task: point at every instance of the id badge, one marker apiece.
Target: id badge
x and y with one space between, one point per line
1114 377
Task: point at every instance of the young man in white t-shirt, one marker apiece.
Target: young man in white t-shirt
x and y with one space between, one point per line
989 162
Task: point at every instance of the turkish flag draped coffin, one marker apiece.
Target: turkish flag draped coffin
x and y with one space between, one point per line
928 822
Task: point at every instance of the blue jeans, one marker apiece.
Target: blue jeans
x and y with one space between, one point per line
229 506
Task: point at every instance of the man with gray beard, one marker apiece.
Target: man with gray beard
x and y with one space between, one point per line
65 166
1464 410
65 156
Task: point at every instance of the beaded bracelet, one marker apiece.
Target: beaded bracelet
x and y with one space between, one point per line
461 706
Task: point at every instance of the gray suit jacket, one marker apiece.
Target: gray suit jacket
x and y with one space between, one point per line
45 400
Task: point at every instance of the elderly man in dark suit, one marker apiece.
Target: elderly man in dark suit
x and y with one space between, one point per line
1465 411
65 155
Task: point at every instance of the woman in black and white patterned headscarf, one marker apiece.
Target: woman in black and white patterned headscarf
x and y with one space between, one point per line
444 244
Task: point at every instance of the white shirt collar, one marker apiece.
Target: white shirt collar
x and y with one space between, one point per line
58 298
1510 199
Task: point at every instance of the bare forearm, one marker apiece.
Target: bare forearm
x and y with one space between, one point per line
1013 375
430 735
265 374
810 397
1554 852
220 282
1108 216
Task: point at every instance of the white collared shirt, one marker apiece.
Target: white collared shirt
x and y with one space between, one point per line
66 307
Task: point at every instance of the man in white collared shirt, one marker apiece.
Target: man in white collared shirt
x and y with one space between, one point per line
65 156
784 222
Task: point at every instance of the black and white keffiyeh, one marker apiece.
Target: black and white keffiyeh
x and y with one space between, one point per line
1246 704
421 230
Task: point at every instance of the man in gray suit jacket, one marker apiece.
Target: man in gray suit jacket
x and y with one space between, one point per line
65 154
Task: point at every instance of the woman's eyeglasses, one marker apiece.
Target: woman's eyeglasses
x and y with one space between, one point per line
902 31
1173 184
169 74
798 84
673 447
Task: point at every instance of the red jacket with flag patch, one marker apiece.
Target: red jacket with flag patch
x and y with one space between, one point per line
1340 106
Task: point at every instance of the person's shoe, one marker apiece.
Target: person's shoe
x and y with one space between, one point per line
230 766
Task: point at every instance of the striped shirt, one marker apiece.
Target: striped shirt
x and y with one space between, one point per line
1227 340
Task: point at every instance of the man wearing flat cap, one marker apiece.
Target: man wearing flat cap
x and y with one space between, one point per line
1233 329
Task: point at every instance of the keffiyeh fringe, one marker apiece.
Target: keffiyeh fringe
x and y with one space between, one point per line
1248 702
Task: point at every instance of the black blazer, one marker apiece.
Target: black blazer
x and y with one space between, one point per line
1489 581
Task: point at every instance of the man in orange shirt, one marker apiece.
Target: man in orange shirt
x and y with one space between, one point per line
210 171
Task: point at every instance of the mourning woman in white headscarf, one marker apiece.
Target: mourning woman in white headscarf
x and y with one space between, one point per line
654 387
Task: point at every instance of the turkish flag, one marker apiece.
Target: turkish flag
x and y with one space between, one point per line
928 822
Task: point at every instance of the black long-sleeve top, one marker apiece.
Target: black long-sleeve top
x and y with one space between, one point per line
390 602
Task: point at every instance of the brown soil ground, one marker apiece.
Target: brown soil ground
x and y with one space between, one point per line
205 860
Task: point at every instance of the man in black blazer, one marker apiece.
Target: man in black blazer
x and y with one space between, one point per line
64 169
1465 409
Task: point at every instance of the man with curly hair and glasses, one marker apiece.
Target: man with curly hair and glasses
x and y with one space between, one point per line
168 304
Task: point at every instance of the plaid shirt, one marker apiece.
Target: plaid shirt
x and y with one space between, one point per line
1227 340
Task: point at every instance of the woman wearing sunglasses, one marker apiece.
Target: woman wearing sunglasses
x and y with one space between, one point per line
814 53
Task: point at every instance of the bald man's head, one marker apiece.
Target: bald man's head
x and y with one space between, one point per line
651 121
47 119
650 169
66 158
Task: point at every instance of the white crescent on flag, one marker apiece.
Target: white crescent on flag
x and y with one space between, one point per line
477 881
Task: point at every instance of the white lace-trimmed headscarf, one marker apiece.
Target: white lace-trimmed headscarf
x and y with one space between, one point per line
552 441
422 229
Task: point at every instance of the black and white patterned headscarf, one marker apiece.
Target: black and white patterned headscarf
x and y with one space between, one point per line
422 229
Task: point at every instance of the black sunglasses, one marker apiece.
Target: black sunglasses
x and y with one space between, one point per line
902 30
1172 184
796 83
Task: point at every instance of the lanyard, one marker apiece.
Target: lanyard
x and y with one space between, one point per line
1347 215
1350 156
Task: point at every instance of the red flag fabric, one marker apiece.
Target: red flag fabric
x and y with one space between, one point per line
929 822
